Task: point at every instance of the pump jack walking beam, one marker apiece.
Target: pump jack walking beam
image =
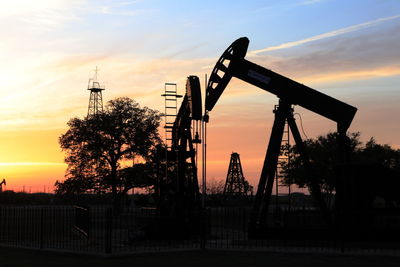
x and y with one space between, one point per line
232 64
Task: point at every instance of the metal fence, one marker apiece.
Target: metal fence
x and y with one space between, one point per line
65 228
97 230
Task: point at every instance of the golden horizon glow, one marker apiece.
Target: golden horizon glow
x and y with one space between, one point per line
32 164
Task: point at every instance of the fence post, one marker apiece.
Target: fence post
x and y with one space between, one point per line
203 232
1 224
108 231
41 228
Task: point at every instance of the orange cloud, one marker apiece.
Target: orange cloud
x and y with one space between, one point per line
354 75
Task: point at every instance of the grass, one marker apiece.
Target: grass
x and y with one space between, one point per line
22 258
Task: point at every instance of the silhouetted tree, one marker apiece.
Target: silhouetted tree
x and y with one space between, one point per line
322 152
377 164
374 153
215 187
102 149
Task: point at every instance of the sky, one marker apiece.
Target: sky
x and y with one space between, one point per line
50 48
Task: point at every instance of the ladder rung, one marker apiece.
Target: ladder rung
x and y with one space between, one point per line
171 107
169 115
171 94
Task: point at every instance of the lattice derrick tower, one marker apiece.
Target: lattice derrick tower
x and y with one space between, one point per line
235 182
95 104
96 98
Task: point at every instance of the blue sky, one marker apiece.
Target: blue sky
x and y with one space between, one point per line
49 49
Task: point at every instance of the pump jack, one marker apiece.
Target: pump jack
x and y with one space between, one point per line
1 185
232 64
185 184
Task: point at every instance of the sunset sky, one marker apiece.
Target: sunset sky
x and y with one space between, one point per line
49 49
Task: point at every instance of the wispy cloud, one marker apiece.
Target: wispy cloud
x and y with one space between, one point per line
334 33
39 12
109 10
121 8
310 2
26 7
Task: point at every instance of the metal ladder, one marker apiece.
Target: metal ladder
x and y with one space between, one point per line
171 109
284 158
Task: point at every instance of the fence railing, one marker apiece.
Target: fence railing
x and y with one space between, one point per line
98 230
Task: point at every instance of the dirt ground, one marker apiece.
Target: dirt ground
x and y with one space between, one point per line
21 258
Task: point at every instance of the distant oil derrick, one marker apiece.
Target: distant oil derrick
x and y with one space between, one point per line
236 184
96 98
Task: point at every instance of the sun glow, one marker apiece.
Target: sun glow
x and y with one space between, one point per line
31 176
24 7
31 164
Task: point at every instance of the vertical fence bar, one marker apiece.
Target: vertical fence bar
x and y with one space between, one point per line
41 228
203 229
108 231
1 224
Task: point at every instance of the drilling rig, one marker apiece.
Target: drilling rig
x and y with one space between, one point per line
233 64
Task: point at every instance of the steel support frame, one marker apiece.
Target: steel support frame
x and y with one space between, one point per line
188 188
283 113
266 182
